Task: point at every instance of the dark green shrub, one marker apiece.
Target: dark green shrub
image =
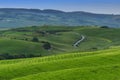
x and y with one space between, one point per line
47 45
35 39
104 27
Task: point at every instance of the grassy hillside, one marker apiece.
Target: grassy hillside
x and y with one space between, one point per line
17 49
18 42
100 65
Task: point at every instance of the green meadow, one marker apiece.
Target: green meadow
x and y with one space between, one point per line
54 40
47 53
100 65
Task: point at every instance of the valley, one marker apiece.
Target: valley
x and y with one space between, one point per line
39 41
57 52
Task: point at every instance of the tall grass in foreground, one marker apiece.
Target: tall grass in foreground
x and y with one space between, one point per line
75 66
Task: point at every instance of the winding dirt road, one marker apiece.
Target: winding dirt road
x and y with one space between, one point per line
79 41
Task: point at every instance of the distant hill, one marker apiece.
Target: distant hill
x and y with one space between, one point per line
16 17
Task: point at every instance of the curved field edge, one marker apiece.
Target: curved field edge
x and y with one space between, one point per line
21 69
58 57
13 47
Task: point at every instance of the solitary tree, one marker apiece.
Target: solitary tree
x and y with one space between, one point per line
47 45
35 39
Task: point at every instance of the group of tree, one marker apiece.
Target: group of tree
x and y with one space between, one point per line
104 27
46 45
16 56
35 39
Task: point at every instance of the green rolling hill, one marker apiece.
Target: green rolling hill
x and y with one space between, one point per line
48 53
100 65
53 40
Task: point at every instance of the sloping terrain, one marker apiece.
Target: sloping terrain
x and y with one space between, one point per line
10 49
13 17
52 40
100 65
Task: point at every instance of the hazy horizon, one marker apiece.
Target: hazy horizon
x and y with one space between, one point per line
93 6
